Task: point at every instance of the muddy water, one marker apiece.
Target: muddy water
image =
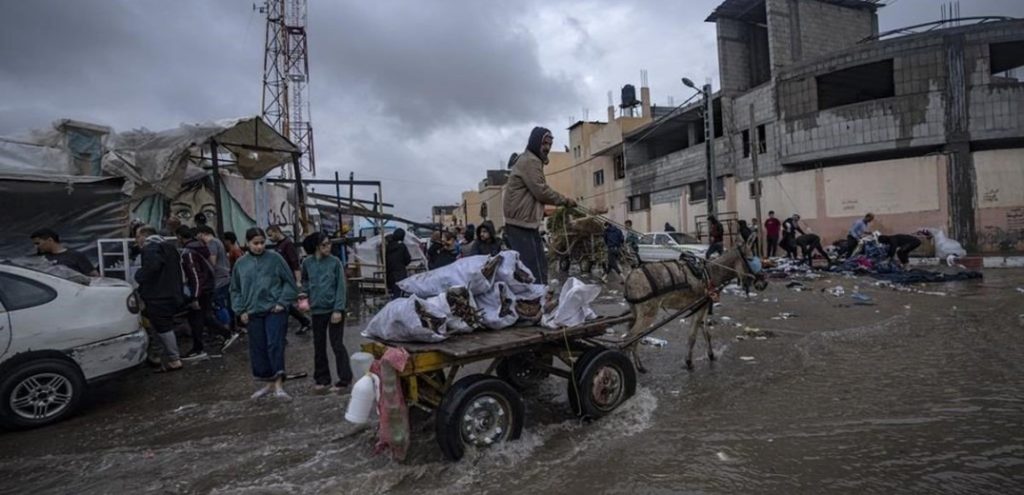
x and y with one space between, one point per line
916 393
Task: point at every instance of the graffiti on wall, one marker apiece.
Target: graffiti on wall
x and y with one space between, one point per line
1010 238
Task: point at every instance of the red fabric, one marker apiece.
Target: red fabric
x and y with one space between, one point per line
393 434
772 226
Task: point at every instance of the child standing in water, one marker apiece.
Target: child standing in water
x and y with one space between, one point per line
323 276
262 288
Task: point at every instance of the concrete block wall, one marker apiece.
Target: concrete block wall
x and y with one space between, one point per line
675 169
801 30
763 98
733 54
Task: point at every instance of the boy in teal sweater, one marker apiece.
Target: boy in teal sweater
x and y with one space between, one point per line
323 277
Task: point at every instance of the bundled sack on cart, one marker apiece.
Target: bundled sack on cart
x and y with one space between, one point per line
460 307
409 319
476 273
573 305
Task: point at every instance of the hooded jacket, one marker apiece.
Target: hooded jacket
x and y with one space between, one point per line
199 276
397 257
613 238
527 190
479 246
159 278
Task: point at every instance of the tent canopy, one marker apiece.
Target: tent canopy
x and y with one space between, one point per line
159 159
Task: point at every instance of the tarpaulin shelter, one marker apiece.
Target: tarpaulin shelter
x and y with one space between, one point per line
65 178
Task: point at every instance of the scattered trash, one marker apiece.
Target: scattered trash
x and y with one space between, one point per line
906 307
1020 289
186 407
797 286
757 333
654 342
726 318
862 300
723 457
837 291
786 316
747 358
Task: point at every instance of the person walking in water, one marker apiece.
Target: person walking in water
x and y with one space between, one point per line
323 276
262 288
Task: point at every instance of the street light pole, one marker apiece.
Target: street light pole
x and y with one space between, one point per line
709 143
709 148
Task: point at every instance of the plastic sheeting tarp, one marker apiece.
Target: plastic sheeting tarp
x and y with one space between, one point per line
159 159
79 209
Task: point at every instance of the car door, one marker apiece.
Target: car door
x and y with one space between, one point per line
23 300
646 248
664 249
5 329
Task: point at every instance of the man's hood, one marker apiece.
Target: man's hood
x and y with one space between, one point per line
536 139
398 235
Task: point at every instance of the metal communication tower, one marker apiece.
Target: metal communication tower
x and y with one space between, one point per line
285 103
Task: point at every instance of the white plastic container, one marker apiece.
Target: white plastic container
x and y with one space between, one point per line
364 398
360 363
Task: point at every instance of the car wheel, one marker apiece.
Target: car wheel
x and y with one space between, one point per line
40 392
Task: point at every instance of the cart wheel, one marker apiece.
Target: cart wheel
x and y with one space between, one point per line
602 380
478 411
563 264
586 265
521 370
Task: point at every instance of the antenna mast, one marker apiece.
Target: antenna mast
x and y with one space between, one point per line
285 104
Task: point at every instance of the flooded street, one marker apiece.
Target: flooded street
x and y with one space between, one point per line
919 392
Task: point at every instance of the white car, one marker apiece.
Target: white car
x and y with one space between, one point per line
661 246
60 330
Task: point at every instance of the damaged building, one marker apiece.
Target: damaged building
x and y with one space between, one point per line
923 127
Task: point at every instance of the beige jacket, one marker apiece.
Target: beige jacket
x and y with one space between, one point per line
527 192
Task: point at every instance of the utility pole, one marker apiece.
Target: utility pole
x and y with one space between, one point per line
755 148
709 148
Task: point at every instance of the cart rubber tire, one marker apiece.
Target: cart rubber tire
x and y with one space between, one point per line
57 385
518 370
586 266
478 405
602 380
564 264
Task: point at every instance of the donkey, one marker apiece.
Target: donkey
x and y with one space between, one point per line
685 285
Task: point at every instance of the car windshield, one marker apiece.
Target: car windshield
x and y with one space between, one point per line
41 264
682 238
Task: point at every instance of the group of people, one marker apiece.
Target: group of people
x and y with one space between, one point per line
221 290
791 237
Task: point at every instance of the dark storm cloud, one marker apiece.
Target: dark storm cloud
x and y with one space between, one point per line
468 62
426 95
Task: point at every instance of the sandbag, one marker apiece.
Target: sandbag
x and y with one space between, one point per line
400 321
573 305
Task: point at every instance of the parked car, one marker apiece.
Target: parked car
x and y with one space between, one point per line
661 246
59 331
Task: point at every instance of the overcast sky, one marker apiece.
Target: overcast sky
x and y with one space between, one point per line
424 95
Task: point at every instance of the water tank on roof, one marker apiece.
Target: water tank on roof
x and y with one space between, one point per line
629 96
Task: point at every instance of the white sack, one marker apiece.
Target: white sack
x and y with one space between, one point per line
573 305
464 272
490 303
455 324
399 322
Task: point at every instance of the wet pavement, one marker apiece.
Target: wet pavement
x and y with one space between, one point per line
913 392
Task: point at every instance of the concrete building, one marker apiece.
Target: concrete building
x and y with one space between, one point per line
923 129
485 202
596 174
443 214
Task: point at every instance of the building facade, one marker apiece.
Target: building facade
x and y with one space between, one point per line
923 129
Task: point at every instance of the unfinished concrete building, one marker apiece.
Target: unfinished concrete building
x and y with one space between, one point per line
923 129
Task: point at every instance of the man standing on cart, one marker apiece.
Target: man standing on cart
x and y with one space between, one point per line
525 195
